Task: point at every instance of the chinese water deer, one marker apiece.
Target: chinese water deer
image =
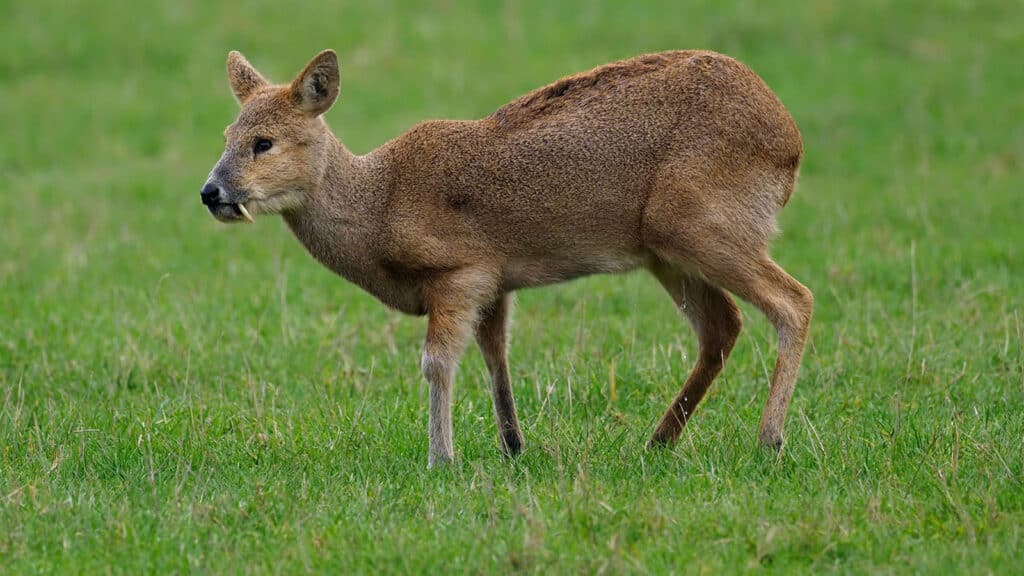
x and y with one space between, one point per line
675 162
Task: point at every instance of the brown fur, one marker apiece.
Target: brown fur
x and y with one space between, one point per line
676 162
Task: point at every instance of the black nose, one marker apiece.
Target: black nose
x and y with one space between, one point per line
210 194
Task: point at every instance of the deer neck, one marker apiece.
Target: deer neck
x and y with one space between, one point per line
339 219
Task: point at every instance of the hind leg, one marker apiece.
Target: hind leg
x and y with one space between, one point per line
715 215
716 320
788 304
733 256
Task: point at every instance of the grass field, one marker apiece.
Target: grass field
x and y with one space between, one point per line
177 395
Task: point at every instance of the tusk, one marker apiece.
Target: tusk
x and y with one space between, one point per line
245 213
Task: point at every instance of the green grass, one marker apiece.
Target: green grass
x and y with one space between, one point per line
177 395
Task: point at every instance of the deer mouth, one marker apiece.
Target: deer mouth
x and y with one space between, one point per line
230 212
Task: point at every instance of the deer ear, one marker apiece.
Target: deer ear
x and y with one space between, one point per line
316 87
243 77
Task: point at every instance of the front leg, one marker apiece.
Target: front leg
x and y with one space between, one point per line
453 304
492 339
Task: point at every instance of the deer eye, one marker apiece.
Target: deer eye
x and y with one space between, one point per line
262 145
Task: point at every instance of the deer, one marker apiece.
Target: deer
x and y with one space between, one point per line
674 162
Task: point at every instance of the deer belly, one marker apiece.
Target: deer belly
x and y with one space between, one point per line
526 273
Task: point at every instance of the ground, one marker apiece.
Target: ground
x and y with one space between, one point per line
177 395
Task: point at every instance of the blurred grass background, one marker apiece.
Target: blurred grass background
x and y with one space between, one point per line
176 395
